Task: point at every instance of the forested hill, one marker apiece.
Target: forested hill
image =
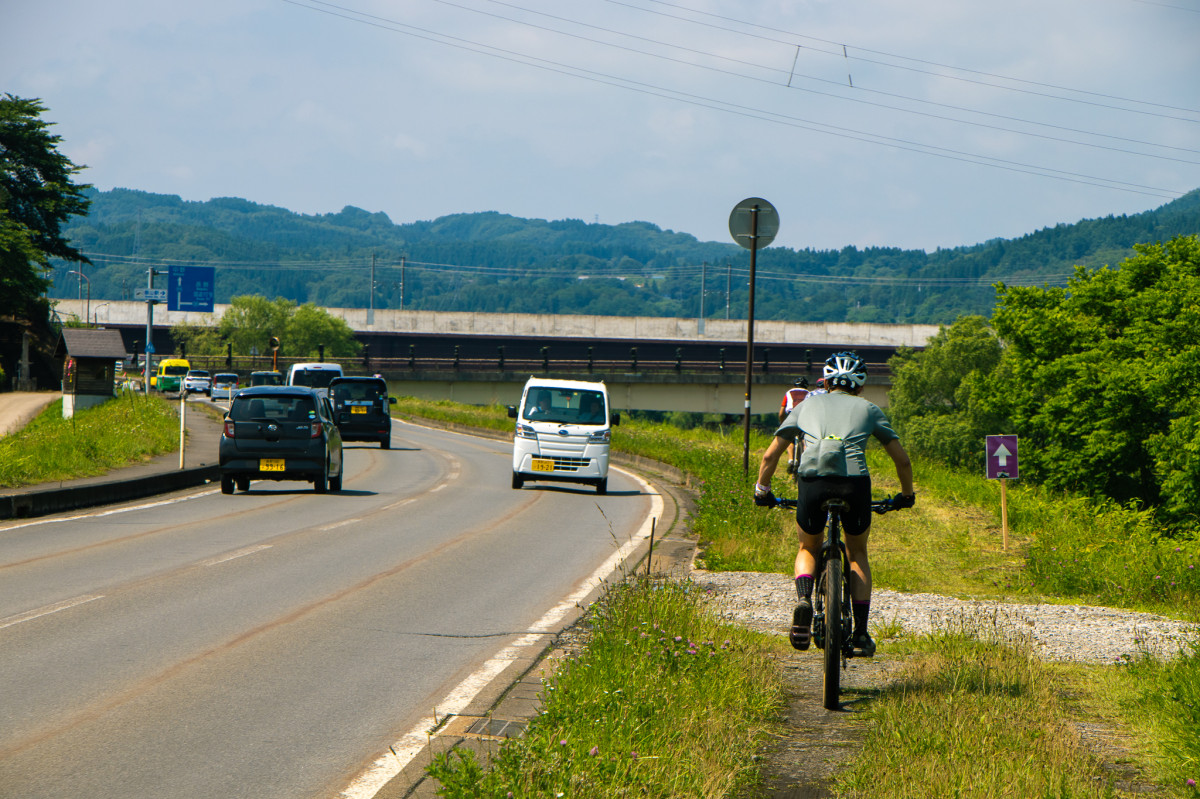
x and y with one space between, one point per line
498 263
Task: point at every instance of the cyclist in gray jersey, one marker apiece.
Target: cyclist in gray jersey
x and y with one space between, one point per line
833 429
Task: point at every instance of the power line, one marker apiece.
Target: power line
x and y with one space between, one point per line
842 49
593 272
792 75
728 107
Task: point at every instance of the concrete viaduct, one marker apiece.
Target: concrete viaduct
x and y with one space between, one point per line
648 363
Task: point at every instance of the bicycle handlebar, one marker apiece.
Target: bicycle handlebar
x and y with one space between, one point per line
878 506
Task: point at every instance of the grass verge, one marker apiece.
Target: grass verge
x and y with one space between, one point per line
124 430
966 691
662 702
973 714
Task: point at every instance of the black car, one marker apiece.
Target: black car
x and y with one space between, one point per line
361 408
280 433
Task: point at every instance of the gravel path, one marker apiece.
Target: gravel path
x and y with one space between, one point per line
1058 632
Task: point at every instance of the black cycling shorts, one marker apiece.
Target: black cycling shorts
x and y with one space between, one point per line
855 491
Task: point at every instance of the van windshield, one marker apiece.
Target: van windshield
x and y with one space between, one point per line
314 378
564 405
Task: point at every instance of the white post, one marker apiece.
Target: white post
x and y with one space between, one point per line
182 423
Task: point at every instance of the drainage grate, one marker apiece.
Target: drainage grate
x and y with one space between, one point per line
497 728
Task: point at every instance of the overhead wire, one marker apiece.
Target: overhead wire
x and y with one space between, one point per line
842 49
792 75
321 6
594 271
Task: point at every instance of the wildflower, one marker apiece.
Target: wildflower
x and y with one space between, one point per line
594 751
1158 577
634 755
678 638
1191 783
563 742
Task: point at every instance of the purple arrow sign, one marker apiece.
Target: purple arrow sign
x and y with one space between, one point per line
1002 458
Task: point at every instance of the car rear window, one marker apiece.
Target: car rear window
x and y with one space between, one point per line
314 378
357 391
273 409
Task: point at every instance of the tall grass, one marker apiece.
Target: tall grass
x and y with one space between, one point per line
124 430
975 715
662 702
966 690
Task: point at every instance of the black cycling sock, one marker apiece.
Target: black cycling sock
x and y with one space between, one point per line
804 586
862 609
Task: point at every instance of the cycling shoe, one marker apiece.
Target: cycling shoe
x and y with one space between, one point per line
801 632
818 630
864 646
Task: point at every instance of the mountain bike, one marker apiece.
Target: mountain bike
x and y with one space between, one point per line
833 619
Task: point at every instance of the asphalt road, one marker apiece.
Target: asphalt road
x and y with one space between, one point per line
272 644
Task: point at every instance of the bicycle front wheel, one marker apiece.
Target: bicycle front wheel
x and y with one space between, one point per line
833 632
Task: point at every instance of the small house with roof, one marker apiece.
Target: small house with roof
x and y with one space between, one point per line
89 358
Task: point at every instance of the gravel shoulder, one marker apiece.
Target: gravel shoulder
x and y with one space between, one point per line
1079 633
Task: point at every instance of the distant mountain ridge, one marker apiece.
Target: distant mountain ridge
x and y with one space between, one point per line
499 263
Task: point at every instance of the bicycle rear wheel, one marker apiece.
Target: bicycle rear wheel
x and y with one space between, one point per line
832 589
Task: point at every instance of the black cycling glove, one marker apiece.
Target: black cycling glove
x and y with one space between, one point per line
904 500
765 500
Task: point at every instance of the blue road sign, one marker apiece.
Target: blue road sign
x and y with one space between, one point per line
1002 458
191 288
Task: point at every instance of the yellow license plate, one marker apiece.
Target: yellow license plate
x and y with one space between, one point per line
271 465
542 465
358 409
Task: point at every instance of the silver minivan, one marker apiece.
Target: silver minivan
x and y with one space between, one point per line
563 433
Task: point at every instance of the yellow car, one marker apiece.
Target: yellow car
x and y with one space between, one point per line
170 374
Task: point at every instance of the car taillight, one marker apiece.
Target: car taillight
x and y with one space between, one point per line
229 428
316 430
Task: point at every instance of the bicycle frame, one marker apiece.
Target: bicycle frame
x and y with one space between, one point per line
833 610
833 602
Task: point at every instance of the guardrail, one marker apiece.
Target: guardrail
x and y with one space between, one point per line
414 363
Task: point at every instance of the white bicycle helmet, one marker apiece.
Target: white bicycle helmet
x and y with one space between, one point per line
845 370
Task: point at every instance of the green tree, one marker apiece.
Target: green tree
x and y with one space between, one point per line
936 392
250 321
37 196
310 326
1101 380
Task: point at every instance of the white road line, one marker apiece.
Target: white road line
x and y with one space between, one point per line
379 773
158 504
241 553
48 609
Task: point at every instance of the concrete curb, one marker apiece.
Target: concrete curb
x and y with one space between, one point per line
40 502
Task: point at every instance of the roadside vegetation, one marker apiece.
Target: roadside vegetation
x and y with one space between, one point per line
125 430
963 689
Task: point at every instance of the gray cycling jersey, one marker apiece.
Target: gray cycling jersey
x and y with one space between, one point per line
834 428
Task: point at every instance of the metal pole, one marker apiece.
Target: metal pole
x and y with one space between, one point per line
149 331
403 259
371 299
703 276
750 341
182 423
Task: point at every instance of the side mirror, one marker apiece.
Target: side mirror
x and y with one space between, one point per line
615 419
512 411
391 400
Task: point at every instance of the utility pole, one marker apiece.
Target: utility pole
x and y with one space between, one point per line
703 276
371 298
728 278
149 348
403 258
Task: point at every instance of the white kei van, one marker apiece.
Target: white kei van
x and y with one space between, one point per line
564 428
314 375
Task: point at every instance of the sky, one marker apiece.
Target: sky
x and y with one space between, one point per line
863 122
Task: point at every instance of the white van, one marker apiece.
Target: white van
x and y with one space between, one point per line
563 433
314 375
